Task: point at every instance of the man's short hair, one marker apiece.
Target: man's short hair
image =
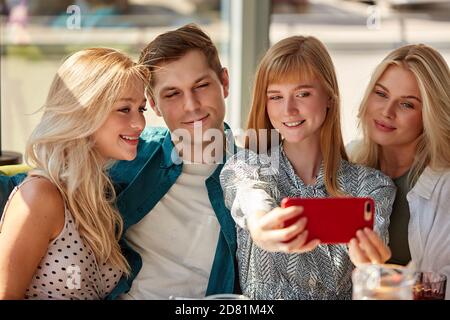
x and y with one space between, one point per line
173 45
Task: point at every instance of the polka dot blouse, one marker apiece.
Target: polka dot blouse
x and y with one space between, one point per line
69 270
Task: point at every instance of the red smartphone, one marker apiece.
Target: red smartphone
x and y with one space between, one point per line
333 220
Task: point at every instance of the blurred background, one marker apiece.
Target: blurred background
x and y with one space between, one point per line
37 34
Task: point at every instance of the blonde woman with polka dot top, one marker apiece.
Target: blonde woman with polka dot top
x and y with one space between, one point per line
59 231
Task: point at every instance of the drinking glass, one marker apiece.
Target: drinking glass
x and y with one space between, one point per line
382 282
429 286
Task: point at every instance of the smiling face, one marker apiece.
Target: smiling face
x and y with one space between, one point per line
118 137
189 94
394 109
297 109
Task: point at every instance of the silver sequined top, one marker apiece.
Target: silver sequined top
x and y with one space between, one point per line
255 182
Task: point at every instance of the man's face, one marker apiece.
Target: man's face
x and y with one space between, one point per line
188 94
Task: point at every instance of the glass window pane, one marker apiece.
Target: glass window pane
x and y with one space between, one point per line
36 36
360 34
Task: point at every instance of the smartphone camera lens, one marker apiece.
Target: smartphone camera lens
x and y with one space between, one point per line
368 211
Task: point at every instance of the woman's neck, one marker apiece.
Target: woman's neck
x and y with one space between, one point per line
305 157
395 161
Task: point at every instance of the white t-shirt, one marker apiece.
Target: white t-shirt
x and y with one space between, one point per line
177 240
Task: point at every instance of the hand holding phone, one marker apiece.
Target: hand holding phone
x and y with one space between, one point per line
268 233
333 220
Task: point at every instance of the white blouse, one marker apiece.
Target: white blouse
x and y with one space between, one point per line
429 224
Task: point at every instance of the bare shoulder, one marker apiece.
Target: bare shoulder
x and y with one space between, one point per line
41 193
38 202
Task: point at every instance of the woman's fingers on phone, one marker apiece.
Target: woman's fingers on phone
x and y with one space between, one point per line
357 256
264 239
291 214
277 217
296 228
255 221
288 233
311 245
298 242
269 220
370 250
383 249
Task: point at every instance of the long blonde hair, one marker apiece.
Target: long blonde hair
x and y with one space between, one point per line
433 78
61 147
297 58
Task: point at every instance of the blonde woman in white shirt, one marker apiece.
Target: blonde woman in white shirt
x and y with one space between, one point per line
405 118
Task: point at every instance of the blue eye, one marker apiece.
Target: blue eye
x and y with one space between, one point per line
275 97
407 105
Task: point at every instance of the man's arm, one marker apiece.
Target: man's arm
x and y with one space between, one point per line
7 184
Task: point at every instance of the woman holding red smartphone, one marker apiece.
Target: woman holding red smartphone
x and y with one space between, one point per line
295 98
405 117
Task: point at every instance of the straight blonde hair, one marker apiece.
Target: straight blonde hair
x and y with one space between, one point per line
298 58
61 147
433 79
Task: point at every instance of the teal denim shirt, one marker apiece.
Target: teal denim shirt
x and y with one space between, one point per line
7 184
143 182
